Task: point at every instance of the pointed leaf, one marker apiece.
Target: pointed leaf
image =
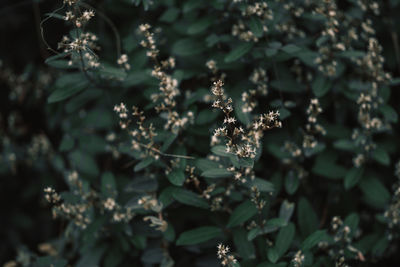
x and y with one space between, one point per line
198 235
242 213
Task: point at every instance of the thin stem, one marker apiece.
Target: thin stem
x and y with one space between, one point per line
42 30
110 23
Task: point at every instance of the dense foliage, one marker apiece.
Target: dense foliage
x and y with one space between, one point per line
201 133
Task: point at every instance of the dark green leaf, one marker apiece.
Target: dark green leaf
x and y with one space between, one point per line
306 217
242 213
389 113
351 54
352 177
256 26
176 177
346 145
286 210
325 166
262 185
143 164
67 86
238 52
314 238
381 156
187 47
206 116
108 185
292 182
352 221
291 48
216 173
374 191
284 239
84 163
170 15
321 85
243 245
220 151
198 235
272 254
200 25
152 255
67 143
205 164
189 198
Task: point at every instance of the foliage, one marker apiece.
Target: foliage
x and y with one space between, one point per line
201 133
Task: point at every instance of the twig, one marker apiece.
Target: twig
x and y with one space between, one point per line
42 31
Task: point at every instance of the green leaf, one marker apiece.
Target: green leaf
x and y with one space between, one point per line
84 162
352 220
67 86
284 239
143 164
286 210
343 144
56 57
216 173
243 245
67 143
200 25
170 15
321 85
288 86
168 141
191 5
246 162
292 182
352 177
49 261
108 185
167 195
206 116
253 233
198 235
256 26
142 184
205 164
261 184
59 64
351 54
284 113
380 246
291 49
381 156
272 254
110 72
276 222
313 239
152 255
187 47
176 177
325 166
139 241
91 257
321 40
375 192
220 151
389 113
306 217
242 213
189 198
113 257
238 52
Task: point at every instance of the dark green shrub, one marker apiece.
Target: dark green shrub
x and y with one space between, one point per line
201 133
